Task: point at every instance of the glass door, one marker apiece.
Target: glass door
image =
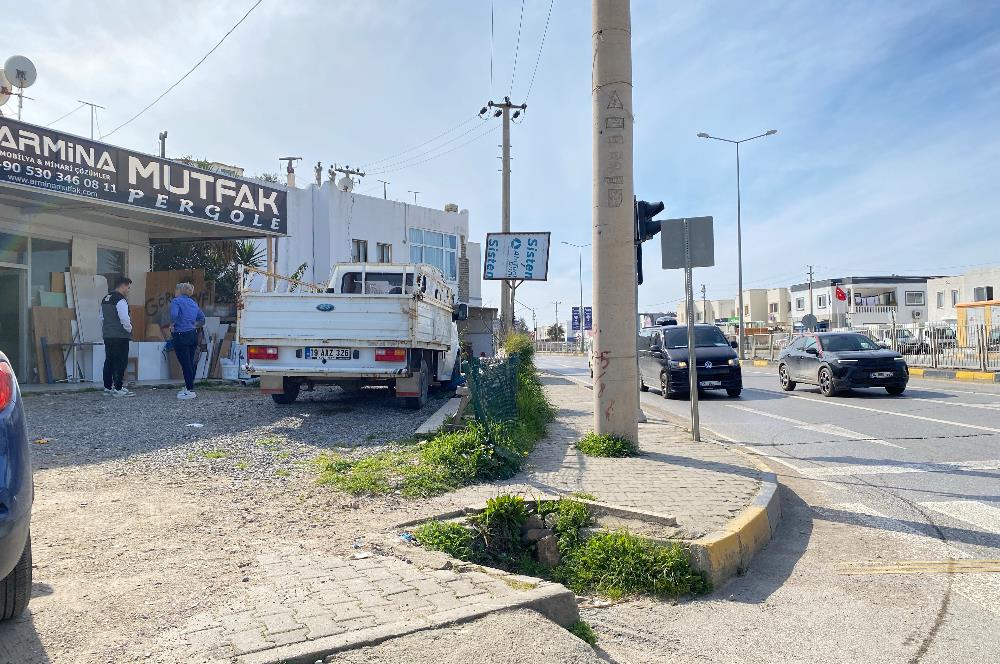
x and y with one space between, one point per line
13 319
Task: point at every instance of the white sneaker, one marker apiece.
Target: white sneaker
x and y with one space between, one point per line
185 394
124 392
108 392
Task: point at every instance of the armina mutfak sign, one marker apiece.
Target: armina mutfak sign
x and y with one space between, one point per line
47 160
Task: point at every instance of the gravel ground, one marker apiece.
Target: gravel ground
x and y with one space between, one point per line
514 637
231 430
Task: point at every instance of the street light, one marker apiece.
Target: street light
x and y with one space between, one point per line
739 229
580 250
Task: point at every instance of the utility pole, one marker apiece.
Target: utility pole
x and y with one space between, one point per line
163 144
385 194
290 169
704 305
410 191
503 110
347 170
616 399
93 108
557 303
810 289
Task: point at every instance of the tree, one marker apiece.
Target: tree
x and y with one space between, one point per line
521 327
555 332
273 178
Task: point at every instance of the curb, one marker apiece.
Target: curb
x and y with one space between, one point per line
437 418
917 372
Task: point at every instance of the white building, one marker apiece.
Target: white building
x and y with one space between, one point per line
944 293
868 301
327 226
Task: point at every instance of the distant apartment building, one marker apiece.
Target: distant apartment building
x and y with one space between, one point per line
708 311
872 300
755 309
944 293
779 307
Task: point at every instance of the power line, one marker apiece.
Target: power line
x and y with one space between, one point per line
517 48
197 64
415 147
422 158
63 117
540 47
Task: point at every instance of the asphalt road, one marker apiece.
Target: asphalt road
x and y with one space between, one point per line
891 528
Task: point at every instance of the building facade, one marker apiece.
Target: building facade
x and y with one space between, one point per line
875 300
944 293
779 307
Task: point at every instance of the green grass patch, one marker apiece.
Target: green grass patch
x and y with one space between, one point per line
606 445
567 518
452 538
583 631
270 442
450 459
583 495
214 454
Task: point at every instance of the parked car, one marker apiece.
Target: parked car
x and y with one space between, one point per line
939 336
663 360
905 341
837 361
16 496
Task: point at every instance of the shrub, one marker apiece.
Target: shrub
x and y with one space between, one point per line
451 538
500 527
619 564
523 347
606 445
569 517
583 631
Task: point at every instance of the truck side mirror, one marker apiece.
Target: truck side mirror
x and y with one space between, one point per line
460 312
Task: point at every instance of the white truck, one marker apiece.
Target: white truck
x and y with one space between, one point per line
374 323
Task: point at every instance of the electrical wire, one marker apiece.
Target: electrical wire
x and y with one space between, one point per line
541 46
431 158
63 117
416 147
517 48
197 64
394 166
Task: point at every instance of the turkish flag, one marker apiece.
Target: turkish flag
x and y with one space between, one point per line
841 295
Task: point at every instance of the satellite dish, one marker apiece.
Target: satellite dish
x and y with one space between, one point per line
4 88
20 71
345 183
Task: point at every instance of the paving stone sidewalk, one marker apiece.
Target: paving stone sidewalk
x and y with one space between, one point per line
703 485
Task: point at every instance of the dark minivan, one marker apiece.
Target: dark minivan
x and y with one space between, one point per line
837 361
663 360
16 494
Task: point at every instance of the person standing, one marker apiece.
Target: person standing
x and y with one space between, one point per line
186 317
117 331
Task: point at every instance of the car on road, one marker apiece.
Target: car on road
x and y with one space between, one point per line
839 361
663 360
16 496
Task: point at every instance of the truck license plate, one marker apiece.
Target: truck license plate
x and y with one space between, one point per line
881 374
328 353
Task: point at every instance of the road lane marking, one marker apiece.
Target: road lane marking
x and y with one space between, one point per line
948 566
829 429
829 402
983 516
987 406
899 469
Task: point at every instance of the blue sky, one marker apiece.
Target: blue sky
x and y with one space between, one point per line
886 160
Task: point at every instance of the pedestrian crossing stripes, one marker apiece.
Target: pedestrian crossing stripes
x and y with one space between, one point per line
984 516
898 468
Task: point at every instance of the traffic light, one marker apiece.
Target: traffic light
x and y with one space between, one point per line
645 229
645 226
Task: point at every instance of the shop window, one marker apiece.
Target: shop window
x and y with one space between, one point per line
49 260
111 264
13 249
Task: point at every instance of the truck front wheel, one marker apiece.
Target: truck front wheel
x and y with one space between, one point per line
290 394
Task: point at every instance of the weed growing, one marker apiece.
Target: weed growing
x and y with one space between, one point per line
566 518
452 538
583 631
214 454
499 528
606 445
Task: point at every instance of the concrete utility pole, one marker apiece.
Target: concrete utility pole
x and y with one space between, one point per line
346 170
385 194
163 144
503 110
616 402
810 289
93 109
704 305
557 303
411 191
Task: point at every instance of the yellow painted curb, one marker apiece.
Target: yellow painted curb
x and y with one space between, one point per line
728 552
916 371
974 375
760 363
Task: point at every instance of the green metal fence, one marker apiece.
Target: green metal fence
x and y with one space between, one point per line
493 388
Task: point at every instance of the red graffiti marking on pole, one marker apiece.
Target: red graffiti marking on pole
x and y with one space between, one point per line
604 361
609 410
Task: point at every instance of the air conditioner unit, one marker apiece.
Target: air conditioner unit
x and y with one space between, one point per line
916 314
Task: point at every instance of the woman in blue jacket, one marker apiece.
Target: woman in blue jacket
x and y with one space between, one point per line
186 317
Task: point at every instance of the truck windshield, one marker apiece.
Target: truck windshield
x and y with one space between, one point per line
377 283
676 337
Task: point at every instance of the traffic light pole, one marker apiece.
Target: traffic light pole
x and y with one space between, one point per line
615 378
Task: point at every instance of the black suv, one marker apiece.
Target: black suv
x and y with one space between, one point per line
663 360
837 361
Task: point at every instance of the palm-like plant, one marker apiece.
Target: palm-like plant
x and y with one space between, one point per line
248 253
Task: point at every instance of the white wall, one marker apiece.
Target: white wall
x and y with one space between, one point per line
965 285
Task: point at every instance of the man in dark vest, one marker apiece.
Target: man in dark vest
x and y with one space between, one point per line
117 329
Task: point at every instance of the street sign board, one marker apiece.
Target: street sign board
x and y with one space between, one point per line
701 239
588 318
575 324
517 256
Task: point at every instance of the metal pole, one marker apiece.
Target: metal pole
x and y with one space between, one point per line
505 304
580 250
615 395
739 253
692 354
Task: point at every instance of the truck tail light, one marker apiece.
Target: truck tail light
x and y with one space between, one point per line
6 385
262 352
390 355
